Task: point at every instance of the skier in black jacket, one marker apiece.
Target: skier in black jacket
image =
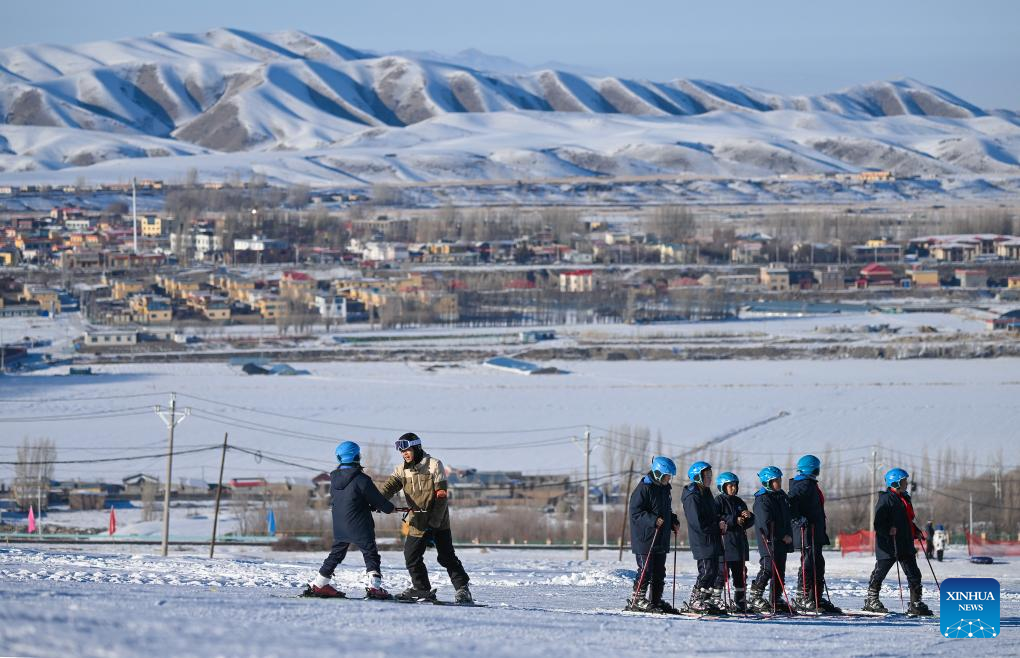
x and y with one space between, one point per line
704 534
895 534
807 506
775 538
354 498
651 520
732 565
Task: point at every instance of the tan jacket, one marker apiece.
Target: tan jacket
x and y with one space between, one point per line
420 484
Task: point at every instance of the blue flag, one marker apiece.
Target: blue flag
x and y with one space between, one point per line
271 522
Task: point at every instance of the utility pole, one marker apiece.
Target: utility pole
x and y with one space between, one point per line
584 489
874 487
171 420
970 522
134 214
219 493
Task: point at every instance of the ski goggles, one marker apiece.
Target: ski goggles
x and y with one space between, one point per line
404 444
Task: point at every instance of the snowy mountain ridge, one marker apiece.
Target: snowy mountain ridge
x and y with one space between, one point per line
226 91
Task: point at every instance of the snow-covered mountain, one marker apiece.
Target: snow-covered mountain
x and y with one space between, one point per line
380 117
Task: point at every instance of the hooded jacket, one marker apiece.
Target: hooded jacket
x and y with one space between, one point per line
649 502
807 507
772 521
421 481
703 533
354 498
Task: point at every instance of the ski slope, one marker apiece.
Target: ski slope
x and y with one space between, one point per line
59 602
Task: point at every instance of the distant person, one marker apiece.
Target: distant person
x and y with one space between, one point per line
651 521
422 478
704 534
775 539
940 539
354 498
807 507
733 563
929 534
895 533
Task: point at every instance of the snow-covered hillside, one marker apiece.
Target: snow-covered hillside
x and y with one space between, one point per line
330 114
60 602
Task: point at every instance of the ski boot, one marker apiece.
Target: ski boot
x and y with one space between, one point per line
828 607
715 600
871 602
666 608
320 588
917 607
757 603
640 604
463 595
375 590
416 595
739 603
804 604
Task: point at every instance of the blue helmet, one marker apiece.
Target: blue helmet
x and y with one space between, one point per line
768 474
348 452
809 465
726 478
894 477
694 472
663 466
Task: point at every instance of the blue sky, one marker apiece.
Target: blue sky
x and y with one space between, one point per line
972 49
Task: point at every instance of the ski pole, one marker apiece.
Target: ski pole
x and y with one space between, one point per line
775 572
726 579
928 560
814 566
803 553
674 568
641 579
896 557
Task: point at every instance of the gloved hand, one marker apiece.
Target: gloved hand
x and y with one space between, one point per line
722 526
441 493
658 522
788 539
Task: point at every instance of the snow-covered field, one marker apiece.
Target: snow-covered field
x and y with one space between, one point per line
63 601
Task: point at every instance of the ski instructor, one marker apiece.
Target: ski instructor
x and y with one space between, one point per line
423 481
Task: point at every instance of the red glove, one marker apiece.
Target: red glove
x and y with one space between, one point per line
441 493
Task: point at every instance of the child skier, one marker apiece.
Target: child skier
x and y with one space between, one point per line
895 533
651 521
354 498
940 541
704 534
775 537
733 510
807 507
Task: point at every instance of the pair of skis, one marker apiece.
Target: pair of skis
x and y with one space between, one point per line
425 599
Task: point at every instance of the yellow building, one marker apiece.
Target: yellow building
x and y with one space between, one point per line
1013 282
124 289
924 278
153 226
148 309
47 299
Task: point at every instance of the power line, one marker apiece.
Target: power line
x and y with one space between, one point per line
110 459
159 394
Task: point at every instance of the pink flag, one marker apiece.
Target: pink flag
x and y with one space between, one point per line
113 522
31 520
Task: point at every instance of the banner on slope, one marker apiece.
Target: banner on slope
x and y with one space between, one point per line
862 541
977 545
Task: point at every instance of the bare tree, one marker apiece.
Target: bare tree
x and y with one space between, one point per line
672 223
33 472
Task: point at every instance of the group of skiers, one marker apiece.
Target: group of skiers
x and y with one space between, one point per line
717 527
782 523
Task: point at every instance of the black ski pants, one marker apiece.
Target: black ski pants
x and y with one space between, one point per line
766 574
414 557
708 572
907 563
735 571
339 552
655 574
811 575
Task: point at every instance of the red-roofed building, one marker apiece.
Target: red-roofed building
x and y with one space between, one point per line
577 281
876 276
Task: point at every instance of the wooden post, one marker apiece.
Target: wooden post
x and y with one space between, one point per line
626 507
219 493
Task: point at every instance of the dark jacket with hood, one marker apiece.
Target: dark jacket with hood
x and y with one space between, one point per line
734 541
649 502
354 499
703 533
894 510
772 521
807 507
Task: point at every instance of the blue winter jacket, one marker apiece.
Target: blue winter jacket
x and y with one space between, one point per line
772 521
355 497
649 502
807 507
703 533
